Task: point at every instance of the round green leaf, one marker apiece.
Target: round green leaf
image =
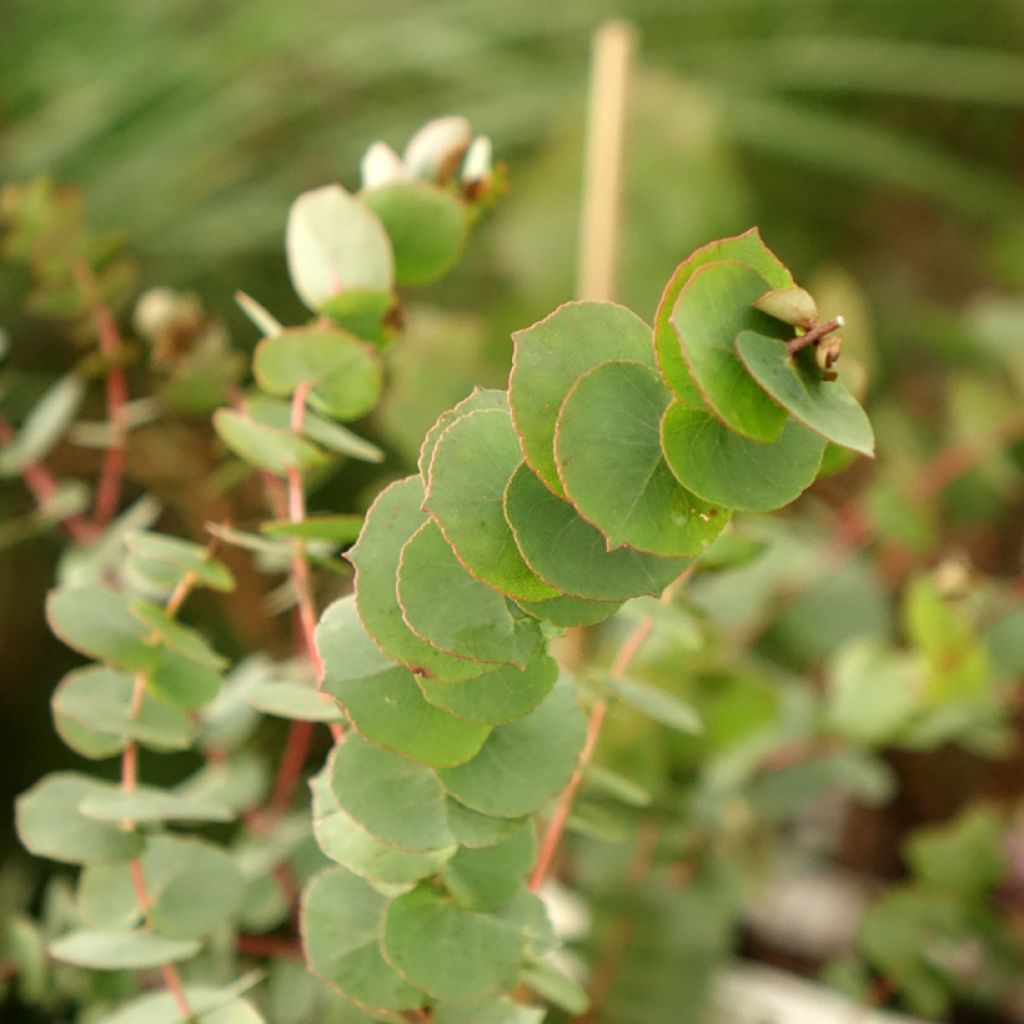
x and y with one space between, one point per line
747 248
393 518
120 951
475 830
564 549
566 611
213 1005
100 700
481 398
99 623
265 447
345 373
469 472
165 629
189 557
341 927
181 682
50 824
793 306
608 450
491 877
294 701
500 696
344 841
147 804
551 354
382 699
713 307
394 799
489 1011
825 406
335 243
426 224
455 612
453 954
524 763
722 467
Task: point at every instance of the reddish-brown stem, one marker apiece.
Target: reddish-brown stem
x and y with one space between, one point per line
268 946
42 486
293 759
108 489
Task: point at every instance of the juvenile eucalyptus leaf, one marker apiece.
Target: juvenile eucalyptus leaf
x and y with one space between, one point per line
182 554
498 696
524 763
276 413
608 451
343 372
392 519
146 804
118 951
478 400
489 1011
657 704
427 227
469 955
477 831
181 639
396 800
713 307
747 248
181 682
50 823
216 1006
564 549
470 469
472 621
265 447
45 426
340 529
566 611
99 623
551 355
382 698
341 921
346 842
727 469
793 306
335 243
491 877
294 701
825 406
547 980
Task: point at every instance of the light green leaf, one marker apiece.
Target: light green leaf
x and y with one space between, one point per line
393 518
426 224
608 451
477 831
266 447
340 529
488 878
555 986
481 398
472 621
489 1011
180 682
344 841
119 951
572 555
334 243
44 426
147 804
344 372
294 701
501 695
525 763
747 248
214 1006
99 623
341 927
566 611
470 469
467 956
793 306
165 629
395 800
50 824
727 469
713 307
551 355
186 556
382 698
825 406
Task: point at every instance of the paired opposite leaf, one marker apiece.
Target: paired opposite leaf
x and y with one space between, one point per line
608 450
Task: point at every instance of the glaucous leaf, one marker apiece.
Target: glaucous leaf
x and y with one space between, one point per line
491 877
181 682
469 471
183 554
119 951
480 399
44 427
489 1011
334 243
551 355
566 611
294 701
382 699
266 447
426 225
147 804
565 550
727 469
98 622
475 830
523 763
608 451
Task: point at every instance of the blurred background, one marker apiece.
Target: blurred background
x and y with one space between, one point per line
879 146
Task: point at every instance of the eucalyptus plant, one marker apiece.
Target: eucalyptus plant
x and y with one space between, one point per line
462 710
